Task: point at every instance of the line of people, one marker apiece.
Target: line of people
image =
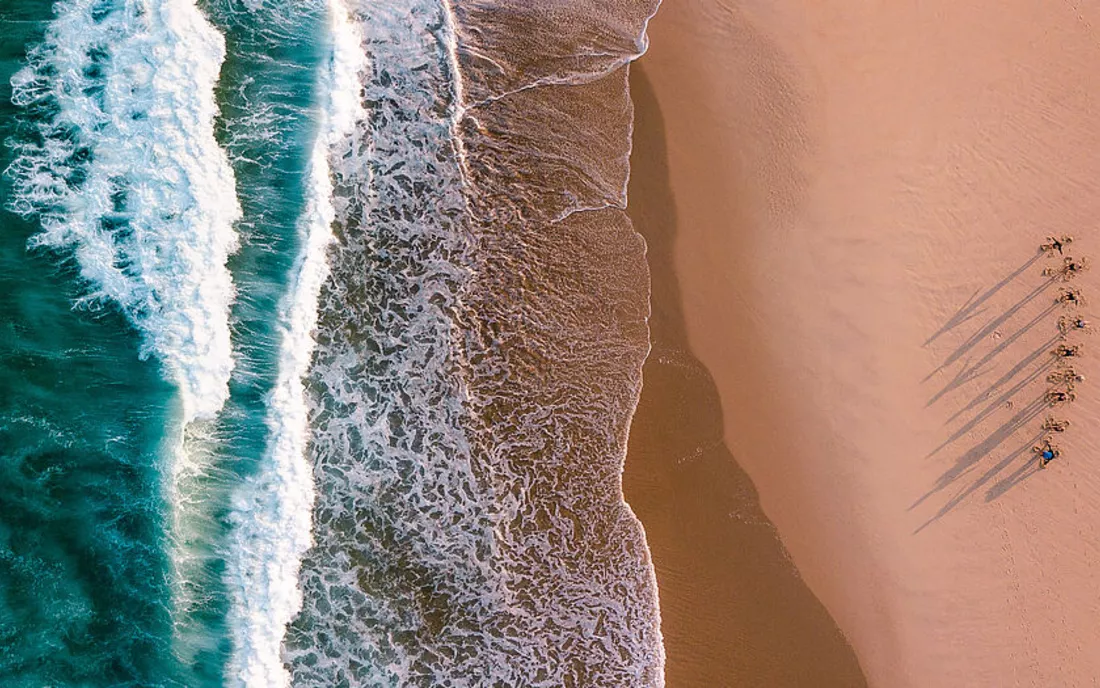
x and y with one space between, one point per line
1065 377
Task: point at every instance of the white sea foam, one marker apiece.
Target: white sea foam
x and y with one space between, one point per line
128 175
272 510
469 529
124 172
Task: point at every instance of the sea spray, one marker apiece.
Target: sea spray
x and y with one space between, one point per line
272 511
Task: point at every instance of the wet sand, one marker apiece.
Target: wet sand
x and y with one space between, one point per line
849 306
734 610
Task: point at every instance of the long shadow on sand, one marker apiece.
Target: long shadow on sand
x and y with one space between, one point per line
973 307
1005 398
1040 354
970 459
1000 394
734 610
972 371
991 327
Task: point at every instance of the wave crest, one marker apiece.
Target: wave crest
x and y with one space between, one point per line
119 163
272 510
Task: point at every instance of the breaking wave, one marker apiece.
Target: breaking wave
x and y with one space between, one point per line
124 171
272 511
436 496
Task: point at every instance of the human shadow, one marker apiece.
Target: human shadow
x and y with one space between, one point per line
1024 472
963 375
972 308
992 406
969 460
1042 351
998 489
998 394
991 327
973 371
734 610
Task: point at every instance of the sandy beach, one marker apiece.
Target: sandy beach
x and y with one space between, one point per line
850 315
734 610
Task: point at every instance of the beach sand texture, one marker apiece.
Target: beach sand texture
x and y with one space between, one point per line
858 192
734 610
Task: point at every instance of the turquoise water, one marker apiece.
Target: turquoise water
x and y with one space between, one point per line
82 548
267 126
299 359
86 421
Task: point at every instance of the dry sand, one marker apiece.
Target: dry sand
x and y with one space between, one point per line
857 194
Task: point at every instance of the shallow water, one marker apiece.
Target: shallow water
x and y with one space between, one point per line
327 315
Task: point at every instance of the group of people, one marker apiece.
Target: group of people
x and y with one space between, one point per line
1065 376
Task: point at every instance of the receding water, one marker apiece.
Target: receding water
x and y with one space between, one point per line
320 319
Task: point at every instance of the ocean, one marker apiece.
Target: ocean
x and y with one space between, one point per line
322 332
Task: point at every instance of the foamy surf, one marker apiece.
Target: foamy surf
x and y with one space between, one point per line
272 511
477 364
479 331
128 176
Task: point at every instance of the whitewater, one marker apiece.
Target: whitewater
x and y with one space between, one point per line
273 509
128 175
387 274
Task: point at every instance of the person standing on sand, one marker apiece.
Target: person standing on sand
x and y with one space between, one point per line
1066 323
1070 297
1071 266
1067 376
1058 396
1052 424
1055 243
1047 452
1067 351
1070 269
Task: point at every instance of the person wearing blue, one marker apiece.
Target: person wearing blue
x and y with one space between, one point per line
1047 452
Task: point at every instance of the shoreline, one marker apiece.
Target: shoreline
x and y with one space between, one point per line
733 608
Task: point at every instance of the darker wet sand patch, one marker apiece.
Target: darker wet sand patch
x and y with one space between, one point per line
734 610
